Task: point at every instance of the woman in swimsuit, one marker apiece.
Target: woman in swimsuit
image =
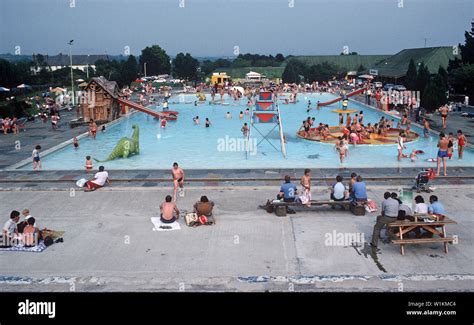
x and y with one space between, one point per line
461 143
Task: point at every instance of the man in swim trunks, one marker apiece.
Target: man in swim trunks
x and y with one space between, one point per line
442 153
245 129
178 179
306 184
100 178
169 212
444 114
92 129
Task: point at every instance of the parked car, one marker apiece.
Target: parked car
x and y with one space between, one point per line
377 84
399 88
387 87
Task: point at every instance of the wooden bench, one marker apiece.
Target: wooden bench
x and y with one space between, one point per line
405 226
278 205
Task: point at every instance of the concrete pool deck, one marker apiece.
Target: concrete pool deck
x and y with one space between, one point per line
109 245
65 179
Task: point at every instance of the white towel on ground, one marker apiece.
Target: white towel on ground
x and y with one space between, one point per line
158 225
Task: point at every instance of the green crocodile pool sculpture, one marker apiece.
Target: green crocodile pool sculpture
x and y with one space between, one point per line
126 146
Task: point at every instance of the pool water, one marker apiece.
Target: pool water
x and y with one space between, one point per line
198 147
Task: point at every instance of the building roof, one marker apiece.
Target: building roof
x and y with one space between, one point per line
345 62
396 66
63 59
110 87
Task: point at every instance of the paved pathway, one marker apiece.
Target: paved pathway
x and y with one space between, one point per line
109 245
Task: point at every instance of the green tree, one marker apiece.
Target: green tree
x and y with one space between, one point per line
434 94
411 76
129 71
422 78
467 50
185 66
290 74
279 57
156 59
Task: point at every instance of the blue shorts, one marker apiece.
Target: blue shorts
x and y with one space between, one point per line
442 154
36 159
425 132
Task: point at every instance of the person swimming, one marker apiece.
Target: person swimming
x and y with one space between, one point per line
241 115
196 120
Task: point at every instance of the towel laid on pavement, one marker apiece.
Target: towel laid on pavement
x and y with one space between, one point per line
160 226
35 249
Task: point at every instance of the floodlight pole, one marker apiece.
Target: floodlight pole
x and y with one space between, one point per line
72 75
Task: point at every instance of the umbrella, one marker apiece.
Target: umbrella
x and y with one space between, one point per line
23 86
82 85
3 89
80 80
139 80
58 90
366 76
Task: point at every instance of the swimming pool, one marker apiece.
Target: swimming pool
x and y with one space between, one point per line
197 147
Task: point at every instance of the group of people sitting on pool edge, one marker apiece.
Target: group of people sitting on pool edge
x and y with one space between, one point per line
356 190
394 209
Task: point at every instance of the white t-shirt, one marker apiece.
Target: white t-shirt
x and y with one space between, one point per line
101 178
9 227
421 208
339 190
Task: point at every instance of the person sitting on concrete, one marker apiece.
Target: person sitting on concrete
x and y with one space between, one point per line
204 207
390 209
338 191
31 234
100 178
169 210
435 206
9 231
359 190
287 190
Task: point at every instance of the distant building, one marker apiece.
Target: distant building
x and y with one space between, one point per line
220 78
81 62
394 68
253 76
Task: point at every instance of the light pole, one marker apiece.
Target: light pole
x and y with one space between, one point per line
72 77
88 58
144 68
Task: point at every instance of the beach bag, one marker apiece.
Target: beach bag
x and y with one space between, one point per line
81 182
371 206
269 207
191 219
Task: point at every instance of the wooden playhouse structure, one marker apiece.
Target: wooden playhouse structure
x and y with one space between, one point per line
100 100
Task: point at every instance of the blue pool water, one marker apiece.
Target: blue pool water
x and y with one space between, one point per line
197 147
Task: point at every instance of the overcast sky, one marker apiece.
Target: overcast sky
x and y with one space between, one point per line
215 27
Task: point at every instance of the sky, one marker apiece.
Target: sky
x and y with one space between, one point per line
227 27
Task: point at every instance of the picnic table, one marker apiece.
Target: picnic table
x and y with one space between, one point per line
438 236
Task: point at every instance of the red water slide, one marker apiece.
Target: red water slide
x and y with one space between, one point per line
145 110
355 92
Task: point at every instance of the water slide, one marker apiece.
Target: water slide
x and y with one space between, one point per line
355 92
138 107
